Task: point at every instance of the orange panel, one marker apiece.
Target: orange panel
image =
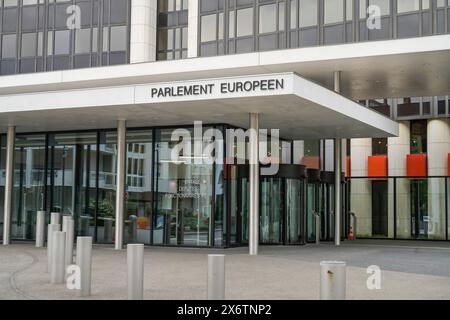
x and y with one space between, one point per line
311 162
377 166
349 167
449 164
416 165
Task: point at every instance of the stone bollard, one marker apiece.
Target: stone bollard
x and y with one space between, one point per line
135 260
69 229
333 280
58 266
40 229
216 277
51 228
84 262
55 218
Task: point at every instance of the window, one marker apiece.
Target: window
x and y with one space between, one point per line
9 46
62 42
244 22
407 5
118 38
419 136
35 23
268 18
28 47
172 29
209 28
308 13
379 146
334 11
82 41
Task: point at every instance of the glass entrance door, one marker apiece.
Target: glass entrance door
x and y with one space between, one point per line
29 185
312 209
272 206
73 163
419 209
294 209
239 201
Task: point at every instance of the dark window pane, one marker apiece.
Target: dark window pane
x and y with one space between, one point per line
119 11
207 50
441 106
8 67
61 63
381 34
81 61
408 25
334 34
10 20
308 37
86 13
29 18
61 16
408 108
26 65
117 58
269 42
244 45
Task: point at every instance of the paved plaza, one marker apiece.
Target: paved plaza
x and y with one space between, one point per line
411 270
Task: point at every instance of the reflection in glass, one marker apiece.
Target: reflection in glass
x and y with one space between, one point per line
139 187
73 178
184 194
28 185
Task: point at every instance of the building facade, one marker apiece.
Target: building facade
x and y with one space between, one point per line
84 134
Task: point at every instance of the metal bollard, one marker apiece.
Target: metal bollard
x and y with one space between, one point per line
216 277
58 268
84 262
135 260
40 229
55 218
51 228
68 228
333 280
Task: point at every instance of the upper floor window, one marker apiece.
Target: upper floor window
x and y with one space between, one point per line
172 29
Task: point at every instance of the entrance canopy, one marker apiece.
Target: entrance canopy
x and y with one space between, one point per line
298 107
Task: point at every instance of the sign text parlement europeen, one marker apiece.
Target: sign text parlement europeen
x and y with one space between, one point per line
224 88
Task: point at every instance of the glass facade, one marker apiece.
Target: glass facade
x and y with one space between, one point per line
401 208
46 35
238 26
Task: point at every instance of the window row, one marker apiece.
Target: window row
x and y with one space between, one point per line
256 25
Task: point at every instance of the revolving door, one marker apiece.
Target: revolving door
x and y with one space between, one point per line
282 205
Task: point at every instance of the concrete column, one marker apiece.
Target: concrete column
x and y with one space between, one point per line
143 31
337 173
120 188
193 31
398 148
361 189
438 140
9 172
254 185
